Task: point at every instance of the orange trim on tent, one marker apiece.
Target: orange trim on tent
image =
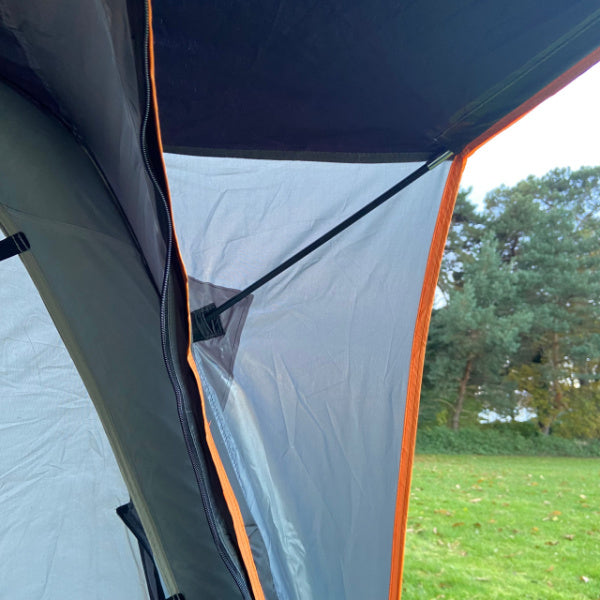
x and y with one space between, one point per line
413 391
518 113
426 304
228 493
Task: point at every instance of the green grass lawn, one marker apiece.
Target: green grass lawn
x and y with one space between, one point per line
484 527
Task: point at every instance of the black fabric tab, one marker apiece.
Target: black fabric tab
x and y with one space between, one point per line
205 324
13 245
130 517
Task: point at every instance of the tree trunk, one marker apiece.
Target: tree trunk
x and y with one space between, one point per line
557 401
462 390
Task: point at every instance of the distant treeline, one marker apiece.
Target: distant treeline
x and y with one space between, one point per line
518 321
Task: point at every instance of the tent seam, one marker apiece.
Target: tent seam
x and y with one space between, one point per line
416 369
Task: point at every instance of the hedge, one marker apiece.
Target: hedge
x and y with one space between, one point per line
498 440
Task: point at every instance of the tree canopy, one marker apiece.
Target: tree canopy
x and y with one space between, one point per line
520 322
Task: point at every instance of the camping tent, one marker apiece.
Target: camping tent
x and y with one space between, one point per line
160 166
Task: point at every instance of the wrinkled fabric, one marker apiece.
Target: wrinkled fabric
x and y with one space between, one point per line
59 482
314 414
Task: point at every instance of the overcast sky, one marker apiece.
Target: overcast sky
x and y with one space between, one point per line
564 131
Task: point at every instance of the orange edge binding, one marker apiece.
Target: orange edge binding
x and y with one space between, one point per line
228 493
434 260
416 369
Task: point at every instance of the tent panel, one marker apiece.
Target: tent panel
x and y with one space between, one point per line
84 61
98 292
59 479
369 82
313 419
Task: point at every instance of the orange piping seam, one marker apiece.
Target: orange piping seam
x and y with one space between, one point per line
413 391
228 493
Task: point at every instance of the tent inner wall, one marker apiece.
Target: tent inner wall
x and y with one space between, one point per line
59 480
311 415
96 287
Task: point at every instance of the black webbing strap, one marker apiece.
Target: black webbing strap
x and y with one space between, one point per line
130 517
13 245
206 322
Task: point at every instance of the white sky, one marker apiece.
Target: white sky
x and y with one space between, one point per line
564 131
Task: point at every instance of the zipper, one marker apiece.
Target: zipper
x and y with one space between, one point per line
209 511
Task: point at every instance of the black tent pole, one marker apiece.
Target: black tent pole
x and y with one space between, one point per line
204 320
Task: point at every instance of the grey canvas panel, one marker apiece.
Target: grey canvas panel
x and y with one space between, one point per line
83 60
59 480
314 418
97 290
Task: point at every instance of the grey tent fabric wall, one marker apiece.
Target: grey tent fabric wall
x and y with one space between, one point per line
83 56
59 481
313 416
94 282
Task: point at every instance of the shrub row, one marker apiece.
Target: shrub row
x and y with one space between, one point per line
497 441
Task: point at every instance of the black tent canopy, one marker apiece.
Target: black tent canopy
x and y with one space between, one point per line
355 81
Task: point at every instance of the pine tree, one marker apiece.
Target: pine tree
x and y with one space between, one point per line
474 335
549 229
521 311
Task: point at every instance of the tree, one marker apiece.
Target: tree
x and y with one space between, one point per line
464 240
474 335
548 231
521 317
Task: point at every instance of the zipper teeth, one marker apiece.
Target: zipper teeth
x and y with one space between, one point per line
192 452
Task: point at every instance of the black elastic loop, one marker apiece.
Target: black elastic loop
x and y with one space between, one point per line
14 245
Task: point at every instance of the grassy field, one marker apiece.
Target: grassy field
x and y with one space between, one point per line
486 527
